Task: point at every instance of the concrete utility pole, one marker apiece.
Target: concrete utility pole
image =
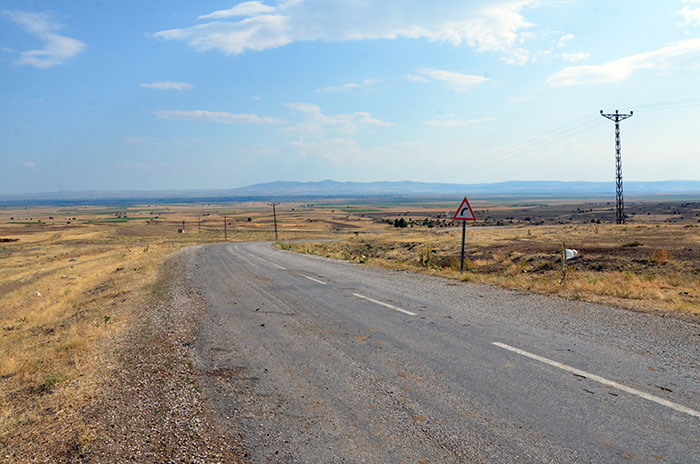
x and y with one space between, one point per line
274 215
617 118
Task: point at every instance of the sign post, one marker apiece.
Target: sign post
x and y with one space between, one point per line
464 213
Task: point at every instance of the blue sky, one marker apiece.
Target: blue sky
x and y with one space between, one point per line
190 95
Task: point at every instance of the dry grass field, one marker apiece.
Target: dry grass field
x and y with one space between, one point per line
72 281
75 279
643 267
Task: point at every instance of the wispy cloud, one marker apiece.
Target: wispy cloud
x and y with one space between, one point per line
456 122
327 136
221 117
458 82
665 59
573 57
253 25
348 86
344 123
691 14
167 85
564 39
242 9
57 48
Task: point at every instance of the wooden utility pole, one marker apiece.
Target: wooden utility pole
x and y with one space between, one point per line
199 224
274 215
225 233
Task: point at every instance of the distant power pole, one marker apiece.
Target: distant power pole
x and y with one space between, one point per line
199 224
225 232
274 215
617 118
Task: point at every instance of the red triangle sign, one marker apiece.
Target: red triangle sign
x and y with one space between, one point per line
464 212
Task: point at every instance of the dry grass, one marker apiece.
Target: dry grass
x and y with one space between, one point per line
93 266
661 272
68 291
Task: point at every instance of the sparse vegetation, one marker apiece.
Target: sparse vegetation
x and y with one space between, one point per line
67 291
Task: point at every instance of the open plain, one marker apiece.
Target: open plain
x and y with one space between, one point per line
87 291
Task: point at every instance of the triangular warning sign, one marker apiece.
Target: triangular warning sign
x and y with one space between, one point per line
464 212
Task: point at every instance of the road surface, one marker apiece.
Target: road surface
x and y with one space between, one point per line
315 360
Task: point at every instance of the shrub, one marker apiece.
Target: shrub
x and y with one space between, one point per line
661 256
425 256
632 244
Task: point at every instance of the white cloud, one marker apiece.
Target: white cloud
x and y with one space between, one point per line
574 56
416 78
516 56
216 116
458 82
29 164
316 121
242 9
57 48
665 59
564 39
326 136
348 86
691 15
167 85
484 25
452 123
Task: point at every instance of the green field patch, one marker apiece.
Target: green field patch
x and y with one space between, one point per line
25 222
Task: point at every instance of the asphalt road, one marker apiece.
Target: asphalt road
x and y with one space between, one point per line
315 360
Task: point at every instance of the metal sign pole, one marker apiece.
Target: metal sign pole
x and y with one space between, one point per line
464 232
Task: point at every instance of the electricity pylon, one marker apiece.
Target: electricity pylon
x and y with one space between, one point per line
617 118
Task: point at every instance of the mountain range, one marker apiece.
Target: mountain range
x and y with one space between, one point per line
331 188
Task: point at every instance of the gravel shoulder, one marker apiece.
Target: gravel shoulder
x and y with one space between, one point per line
152 410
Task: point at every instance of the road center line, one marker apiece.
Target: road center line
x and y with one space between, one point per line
277 265
395 308
602 380
315 280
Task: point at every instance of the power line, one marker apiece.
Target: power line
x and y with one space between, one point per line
570 129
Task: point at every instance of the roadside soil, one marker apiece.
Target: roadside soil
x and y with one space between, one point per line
152 410
146 406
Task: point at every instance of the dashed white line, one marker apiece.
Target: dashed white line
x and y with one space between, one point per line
277 265
387 305
602 380
315 280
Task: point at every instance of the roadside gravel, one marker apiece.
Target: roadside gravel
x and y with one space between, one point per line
152 410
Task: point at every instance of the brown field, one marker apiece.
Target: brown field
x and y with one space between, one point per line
74 279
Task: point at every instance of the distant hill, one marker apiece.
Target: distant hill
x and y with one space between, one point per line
331 188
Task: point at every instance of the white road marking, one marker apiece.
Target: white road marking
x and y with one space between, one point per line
315 280
277 265
395 308
602 380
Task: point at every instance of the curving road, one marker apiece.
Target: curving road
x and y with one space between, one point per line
315 360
